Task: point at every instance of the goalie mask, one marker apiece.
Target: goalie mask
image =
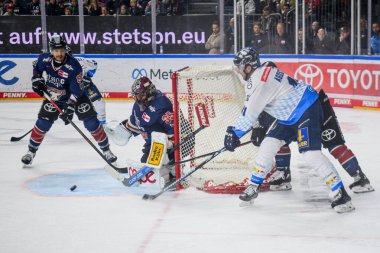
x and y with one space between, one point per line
143 90
248 56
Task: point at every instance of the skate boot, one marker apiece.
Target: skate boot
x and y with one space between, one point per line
249 194
27 159
341 202
361 183
109 155
280 180
168 180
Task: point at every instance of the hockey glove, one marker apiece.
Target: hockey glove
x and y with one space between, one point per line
68 113
86 81
38 85
258 134
145 151
231 141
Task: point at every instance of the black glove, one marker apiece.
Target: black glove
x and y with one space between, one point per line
146 151
231 141
258 134
38 85
86 81
68 112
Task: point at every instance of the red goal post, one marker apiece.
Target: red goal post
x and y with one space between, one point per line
222 92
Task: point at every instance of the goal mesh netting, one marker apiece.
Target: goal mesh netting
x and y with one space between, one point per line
222 93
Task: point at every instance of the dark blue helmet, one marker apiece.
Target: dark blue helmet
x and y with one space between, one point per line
247 56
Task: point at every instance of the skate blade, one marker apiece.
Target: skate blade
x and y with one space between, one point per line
246 203
345 208
281 187
363 189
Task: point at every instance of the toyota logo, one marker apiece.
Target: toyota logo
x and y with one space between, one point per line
82 108
311 74
328 134
136 73
49 107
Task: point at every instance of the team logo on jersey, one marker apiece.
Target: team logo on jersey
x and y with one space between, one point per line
152 109
63 73
168 118
50 108
145 117
69 67
303 137
82 108
266 73
328 134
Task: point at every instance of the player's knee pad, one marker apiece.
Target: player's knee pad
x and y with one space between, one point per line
283 158
318 161
100 108
264 160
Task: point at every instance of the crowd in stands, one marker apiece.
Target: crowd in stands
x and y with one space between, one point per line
270 24
91 7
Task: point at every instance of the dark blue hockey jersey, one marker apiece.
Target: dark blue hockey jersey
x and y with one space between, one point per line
156 117
61 82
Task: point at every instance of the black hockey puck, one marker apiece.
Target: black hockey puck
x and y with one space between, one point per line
145 197
73 187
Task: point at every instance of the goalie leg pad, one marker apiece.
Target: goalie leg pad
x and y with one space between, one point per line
346 158
118 133
158 150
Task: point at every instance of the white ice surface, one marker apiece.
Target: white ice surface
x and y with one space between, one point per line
103 216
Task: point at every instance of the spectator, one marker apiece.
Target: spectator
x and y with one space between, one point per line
282 42
375 39
259 39
123 10
230 39
300 43
160 8
213 42
172 8
17 8
363 36
135 10
68 11
112 6
343 45
267 21
33 8
104 11
94 8
9 10
53 8
74 7
323 43
249 7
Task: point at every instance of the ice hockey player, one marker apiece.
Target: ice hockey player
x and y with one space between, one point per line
299 115
64 84
332 139
151 112
89 68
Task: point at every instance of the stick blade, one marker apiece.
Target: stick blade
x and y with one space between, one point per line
13 139
148 197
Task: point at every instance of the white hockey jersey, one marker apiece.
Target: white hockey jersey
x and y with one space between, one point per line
270 90
89 66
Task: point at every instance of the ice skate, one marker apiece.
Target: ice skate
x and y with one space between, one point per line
249 195
361 184
280 180
168 180
27 159
109 156
341 201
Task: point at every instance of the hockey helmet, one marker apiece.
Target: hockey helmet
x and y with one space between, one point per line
57 41
247 56
143 89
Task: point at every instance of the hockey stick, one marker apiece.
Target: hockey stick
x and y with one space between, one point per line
13 139
47 96
215 154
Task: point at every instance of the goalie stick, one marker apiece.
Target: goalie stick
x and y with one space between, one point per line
128 182
47 96
172 185
13 139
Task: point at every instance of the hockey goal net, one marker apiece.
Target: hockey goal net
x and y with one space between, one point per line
220 91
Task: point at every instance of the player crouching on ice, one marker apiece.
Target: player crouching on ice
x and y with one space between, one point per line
151 117
299 116
64 85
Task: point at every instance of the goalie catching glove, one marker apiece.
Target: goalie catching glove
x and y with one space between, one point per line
118 133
